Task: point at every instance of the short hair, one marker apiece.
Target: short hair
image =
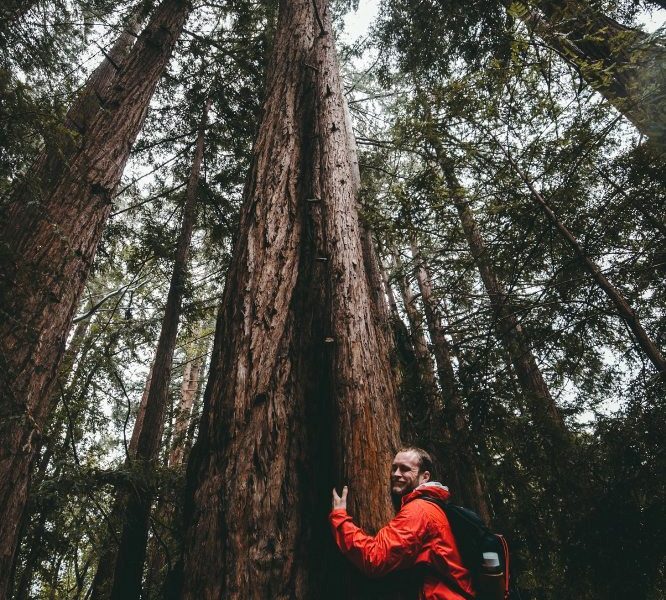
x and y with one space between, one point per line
425 460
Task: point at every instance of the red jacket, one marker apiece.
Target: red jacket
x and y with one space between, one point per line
419 534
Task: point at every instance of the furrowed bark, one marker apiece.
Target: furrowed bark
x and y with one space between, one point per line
300 393
620 303
50 232
462 459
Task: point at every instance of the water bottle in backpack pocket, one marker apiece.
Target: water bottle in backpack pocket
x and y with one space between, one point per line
484 553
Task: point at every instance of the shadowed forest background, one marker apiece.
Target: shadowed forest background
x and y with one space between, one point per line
244 256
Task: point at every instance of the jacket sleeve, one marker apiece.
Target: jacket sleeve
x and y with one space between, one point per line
395 546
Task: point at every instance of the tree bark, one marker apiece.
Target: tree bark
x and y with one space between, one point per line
188 392
623 307
136 520
462 457
50 233
163 522
415 319
300 393
420 399
619 62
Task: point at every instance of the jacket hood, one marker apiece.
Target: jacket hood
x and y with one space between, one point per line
431 488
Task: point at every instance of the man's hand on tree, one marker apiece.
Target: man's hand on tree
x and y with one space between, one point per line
340 501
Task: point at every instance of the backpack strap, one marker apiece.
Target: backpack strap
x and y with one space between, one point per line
444 506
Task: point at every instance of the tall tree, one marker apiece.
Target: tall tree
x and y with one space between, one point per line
146 437
628 315
542 405
455 420
50 230
300 392
622 63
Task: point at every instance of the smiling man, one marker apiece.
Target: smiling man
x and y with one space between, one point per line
418 537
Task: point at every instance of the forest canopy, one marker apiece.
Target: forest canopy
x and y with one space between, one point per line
250 249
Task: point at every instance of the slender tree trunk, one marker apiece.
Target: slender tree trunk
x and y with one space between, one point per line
421 400
511 331
415 319
463 457
623 308
620 62
300 393
401 339
140 416
188 392
51 231
132 549
103 579
541 403
157 560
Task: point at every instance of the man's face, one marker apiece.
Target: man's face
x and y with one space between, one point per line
405 475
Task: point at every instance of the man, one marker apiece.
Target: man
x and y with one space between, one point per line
419 536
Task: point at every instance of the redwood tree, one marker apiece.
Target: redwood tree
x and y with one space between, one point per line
50 229
300 394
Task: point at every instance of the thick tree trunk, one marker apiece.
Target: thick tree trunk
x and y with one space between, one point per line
50 233
620 62
300 393
623 307
462 459
132 549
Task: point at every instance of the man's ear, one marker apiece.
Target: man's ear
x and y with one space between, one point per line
426 475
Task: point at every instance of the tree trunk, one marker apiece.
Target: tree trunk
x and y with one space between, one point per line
462 457
300 393
542 405
619 62
140 416
415 319
419 402
188 392
132 549
156 561
623 308
402 344
50 232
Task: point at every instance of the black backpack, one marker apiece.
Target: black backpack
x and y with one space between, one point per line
484 553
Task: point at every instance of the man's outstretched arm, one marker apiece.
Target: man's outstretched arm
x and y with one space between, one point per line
395 546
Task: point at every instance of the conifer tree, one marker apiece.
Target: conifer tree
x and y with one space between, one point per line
300 393
50 229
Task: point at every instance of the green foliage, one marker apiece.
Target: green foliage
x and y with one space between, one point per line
587 524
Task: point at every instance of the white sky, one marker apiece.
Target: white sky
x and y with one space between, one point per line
357 23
